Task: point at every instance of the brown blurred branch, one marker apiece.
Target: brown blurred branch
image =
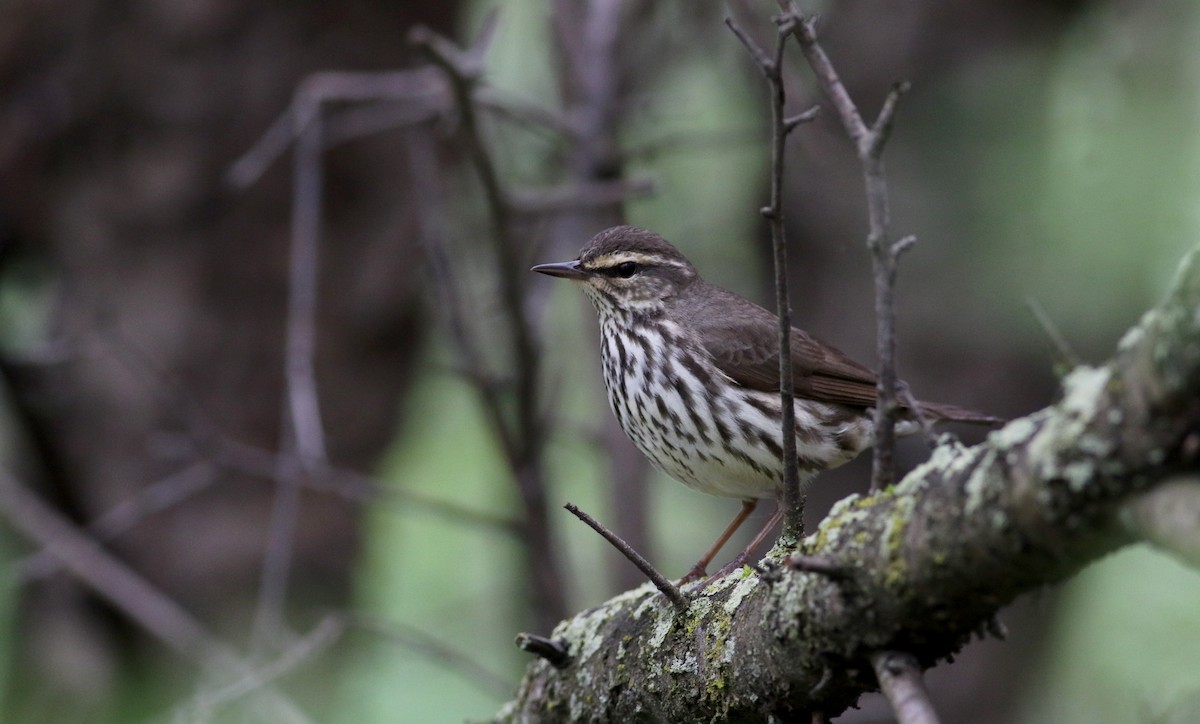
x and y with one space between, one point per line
590 39
437 651
421 92
131 594
206 703
301 430
154 498
523 433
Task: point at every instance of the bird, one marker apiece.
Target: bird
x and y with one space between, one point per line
691 372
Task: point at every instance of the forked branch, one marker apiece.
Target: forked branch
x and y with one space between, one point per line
869 142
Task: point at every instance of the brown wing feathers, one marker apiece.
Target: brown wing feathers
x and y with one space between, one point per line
743 341
742 338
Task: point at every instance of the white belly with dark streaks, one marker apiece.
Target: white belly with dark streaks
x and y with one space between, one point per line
720 444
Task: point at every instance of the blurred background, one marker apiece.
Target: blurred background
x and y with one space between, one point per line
314 412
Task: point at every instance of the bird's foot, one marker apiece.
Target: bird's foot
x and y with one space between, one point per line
695 574
738 561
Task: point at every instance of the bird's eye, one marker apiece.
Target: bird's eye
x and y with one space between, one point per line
626 269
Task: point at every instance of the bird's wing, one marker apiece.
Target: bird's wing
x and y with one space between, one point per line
744 343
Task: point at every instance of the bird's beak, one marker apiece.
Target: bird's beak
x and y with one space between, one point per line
564 269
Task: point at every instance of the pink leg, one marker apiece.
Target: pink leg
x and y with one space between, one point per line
700 569
744 556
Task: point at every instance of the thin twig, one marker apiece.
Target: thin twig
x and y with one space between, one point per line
355 123
154 498
660 582
781 125
869 143
554 652
453 660
420 90
819 564
131 594
582 197
451 301
203 707
1068 358
524 113
899 677
301 431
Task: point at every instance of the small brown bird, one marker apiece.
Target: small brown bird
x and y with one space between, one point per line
692 373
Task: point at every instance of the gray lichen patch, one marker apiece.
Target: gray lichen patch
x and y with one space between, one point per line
744 588
585 632
1083 391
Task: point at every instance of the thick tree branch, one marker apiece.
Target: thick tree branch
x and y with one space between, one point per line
932 559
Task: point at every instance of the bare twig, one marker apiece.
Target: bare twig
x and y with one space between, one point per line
1068 358
419 89
555 652
523 113
305 649
131 594
900 679
154 498
453 660
451 300
301 432
772 69
869 142
823 565
660 581
582 197
590 38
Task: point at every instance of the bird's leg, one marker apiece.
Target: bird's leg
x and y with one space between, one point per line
744 556
700 569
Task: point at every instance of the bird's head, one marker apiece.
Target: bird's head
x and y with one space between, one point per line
627 269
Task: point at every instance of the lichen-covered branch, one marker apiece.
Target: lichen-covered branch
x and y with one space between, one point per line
930 560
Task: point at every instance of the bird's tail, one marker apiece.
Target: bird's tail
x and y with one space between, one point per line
938 412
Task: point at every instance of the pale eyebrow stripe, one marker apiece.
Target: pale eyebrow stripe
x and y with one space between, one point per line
613 259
